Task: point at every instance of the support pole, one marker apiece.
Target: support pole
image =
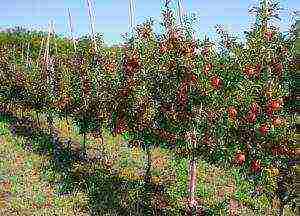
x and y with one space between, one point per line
71 28
131 15
92 22
192 172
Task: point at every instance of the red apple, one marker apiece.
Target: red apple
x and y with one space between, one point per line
275 105
275 151
163 48
269 35
255 166
269 112
277 121
251 117
276 67
252 70
264 129
240 158
182 99
194 78
124 92
232 112
207 68
216 82
121 126
255 108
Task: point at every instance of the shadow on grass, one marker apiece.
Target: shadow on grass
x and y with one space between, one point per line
107 193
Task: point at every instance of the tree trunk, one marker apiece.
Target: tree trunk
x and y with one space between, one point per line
66 116
83 152
55 138
84 137
192 173
38 118
146 202
192 182
68 124
56 146
147 173
22 115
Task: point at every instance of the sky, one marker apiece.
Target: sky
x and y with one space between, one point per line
112 15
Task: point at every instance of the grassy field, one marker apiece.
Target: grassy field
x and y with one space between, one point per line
37 179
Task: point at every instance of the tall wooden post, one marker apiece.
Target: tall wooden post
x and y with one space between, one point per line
92 22
131 15
27 54
181 11
192 172
71 28
40 52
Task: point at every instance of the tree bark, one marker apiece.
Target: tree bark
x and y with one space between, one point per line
38 118
148 169
146 202
84 135
192 173
55 138
192 182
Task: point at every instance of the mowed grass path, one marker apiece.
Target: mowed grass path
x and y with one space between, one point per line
34 182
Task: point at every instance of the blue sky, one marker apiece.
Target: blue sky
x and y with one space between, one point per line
112 15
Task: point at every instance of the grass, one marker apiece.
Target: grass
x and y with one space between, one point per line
34 182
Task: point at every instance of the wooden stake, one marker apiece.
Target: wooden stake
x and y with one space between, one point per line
53 34
179 11
92 22
192 174
40 53
22 52
14 51
194 37
46 54
27 54
131 15
71 27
